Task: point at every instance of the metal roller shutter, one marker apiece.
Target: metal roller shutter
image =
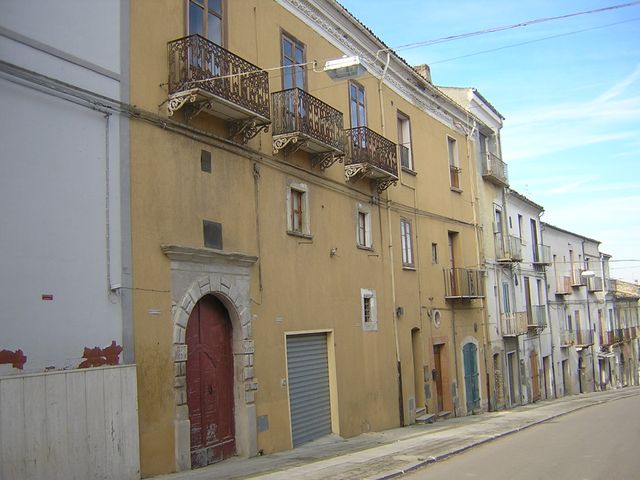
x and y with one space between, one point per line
308 380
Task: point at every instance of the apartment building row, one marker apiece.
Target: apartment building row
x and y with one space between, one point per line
257 225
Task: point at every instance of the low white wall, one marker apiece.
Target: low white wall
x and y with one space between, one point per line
77 424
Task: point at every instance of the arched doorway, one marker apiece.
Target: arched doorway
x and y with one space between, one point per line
210 392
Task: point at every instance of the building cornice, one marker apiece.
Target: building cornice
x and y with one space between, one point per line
180 253
340 28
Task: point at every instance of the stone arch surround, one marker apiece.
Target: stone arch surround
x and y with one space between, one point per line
196 272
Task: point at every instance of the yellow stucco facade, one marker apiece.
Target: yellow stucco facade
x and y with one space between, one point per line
277 283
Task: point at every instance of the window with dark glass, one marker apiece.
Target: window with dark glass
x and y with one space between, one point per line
205 18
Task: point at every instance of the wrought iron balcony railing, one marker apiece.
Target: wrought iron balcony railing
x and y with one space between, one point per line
567 338
405 156
508 248
584 337
370 154
495 170
537 317
306 122
577 279
542 254
594 284
463 283
563 285
230 87
454 176
514 324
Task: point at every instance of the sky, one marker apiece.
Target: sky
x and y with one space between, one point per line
569 90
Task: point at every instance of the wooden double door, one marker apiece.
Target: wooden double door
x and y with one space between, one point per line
210 394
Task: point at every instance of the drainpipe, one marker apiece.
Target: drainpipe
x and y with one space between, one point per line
548 311
391 262
395 319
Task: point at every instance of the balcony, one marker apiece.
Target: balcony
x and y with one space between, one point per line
454 177
567 338
607 338
538 317
563 285
514 324
626 335
542 255
577 280
495 170
372 156
508 248
633 332
301 121
584 338
208 78
594 284
463 284
405 157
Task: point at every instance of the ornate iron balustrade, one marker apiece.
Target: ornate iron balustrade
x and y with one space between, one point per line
299 116
567 338
576 277
496 170
364 146
454 176
538 318
584 337
463 283
542 254
514 324
197 64
594 284
563 285
508 248
405 158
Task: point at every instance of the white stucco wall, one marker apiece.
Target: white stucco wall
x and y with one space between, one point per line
55 209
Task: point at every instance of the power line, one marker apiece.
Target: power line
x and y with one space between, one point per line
507 27
533 41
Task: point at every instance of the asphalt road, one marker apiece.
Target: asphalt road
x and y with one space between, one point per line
596 442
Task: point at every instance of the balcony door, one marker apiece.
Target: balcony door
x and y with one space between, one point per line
293 76
452 263
205 18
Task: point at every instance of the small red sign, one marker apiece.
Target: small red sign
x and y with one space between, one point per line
47 297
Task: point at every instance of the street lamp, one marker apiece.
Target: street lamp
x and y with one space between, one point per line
344 68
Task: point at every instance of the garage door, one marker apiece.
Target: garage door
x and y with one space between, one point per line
308 378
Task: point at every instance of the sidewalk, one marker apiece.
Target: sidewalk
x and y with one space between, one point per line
393 452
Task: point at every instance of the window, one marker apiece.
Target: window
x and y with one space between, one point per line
454 170
520 233
205 18
357 108
292 54
405 237
363 226
404 141
434 253
498 214
506 300
369 309
298 209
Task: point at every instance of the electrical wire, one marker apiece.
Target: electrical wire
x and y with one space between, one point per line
508 27
532 41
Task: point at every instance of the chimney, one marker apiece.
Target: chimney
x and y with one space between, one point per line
424 71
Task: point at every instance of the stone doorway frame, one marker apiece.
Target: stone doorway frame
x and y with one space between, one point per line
196 272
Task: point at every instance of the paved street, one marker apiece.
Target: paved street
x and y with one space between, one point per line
593 443
601 416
